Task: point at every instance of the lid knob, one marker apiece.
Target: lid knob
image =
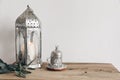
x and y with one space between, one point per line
28 6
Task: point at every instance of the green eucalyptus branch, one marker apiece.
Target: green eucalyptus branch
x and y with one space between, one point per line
21 70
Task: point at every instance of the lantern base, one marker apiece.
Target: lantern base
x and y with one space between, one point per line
35 66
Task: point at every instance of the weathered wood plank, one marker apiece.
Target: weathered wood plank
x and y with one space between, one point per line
75 71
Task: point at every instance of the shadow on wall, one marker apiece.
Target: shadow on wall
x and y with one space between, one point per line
7 42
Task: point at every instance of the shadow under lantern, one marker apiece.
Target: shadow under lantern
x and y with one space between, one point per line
28 39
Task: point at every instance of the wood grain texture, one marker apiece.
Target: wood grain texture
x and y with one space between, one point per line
74 71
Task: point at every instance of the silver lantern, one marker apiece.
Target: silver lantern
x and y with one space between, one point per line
28 39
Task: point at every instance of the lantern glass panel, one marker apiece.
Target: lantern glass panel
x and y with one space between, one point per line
33 45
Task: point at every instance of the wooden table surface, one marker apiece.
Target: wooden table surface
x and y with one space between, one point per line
74 71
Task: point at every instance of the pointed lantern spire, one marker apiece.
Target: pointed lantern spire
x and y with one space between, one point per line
27 19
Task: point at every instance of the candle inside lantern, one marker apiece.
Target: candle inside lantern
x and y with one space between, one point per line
31 51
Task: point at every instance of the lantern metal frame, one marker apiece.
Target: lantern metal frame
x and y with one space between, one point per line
26 22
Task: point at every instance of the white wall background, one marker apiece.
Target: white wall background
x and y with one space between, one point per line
86 30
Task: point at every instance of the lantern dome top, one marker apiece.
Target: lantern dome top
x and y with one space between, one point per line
27 19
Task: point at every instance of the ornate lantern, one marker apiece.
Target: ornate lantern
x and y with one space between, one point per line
28 39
